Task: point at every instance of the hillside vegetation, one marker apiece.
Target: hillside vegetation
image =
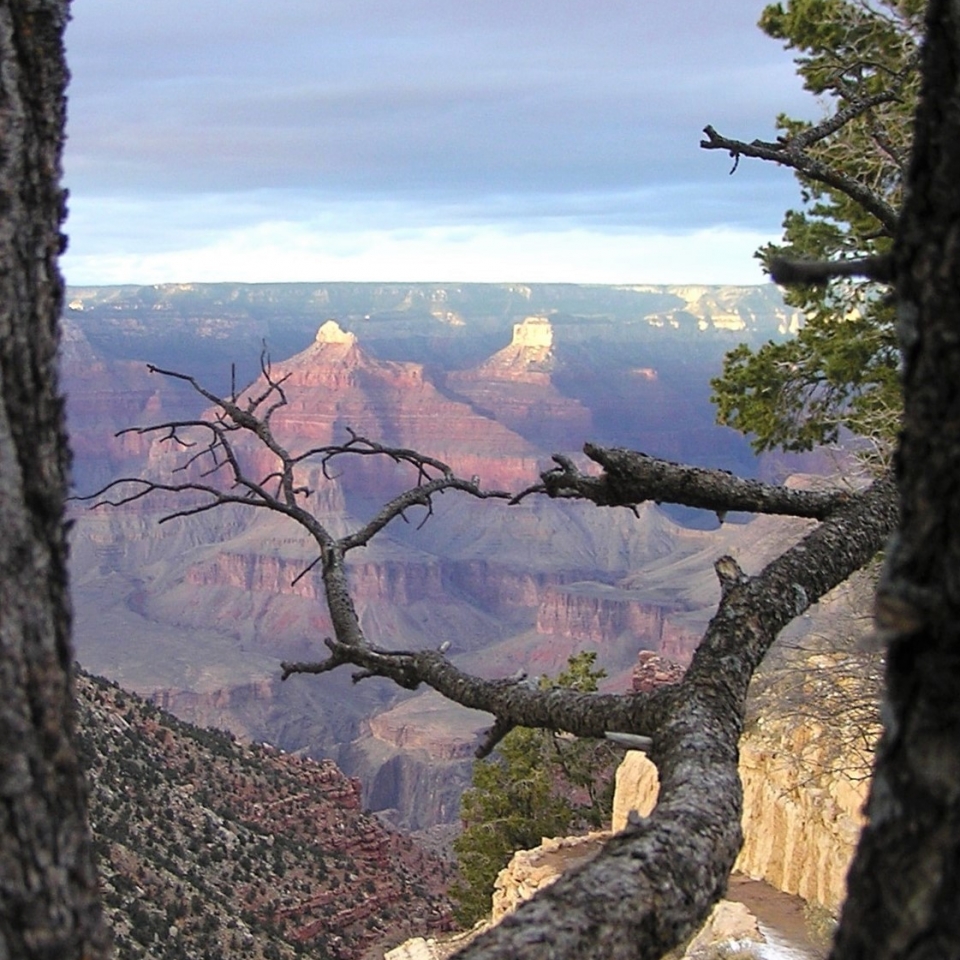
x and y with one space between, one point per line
210 848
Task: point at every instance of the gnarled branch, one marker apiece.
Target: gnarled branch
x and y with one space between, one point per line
630 478
791 272
659 879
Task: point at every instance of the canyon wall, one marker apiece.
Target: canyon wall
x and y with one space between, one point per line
800 828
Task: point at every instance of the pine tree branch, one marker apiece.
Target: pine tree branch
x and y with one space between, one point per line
797 272
786 153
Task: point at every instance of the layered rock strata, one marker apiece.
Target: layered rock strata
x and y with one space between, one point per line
532 870
394 403
800 833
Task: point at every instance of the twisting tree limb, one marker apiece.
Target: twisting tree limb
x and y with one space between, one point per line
658 879
220 456
856 107
790 272
513 703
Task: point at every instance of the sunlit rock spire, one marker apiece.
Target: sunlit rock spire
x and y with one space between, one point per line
331 332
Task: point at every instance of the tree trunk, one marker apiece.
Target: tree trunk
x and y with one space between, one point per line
49 902
904 886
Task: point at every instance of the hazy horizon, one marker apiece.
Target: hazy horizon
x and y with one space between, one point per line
187 284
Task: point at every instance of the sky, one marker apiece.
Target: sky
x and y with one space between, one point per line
421 140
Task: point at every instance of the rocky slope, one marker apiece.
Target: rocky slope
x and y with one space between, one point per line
210 848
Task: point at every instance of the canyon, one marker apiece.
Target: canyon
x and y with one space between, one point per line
197 612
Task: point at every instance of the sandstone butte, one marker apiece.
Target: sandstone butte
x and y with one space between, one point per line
516 386
393 403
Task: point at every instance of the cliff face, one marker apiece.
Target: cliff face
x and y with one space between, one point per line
800 833
595 613
106 396
531 870
408 786
396 581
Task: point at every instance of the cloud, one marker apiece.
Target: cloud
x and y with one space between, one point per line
545 117
362 241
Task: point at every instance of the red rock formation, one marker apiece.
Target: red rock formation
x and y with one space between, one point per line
597 613
498 588
334 384
653 670
216 708
444 734
105 397
400 582
679 640
515 386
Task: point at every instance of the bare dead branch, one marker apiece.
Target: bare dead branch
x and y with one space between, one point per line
362 446
692 727
659 878
773 598
855 108
310 566
511 703
218 497
421 496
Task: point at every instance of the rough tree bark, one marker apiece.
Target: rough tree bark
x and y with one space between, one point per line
904 886
49 906
655 882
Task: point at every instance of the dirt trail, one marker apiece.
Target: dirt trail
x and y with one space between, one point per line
780 916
